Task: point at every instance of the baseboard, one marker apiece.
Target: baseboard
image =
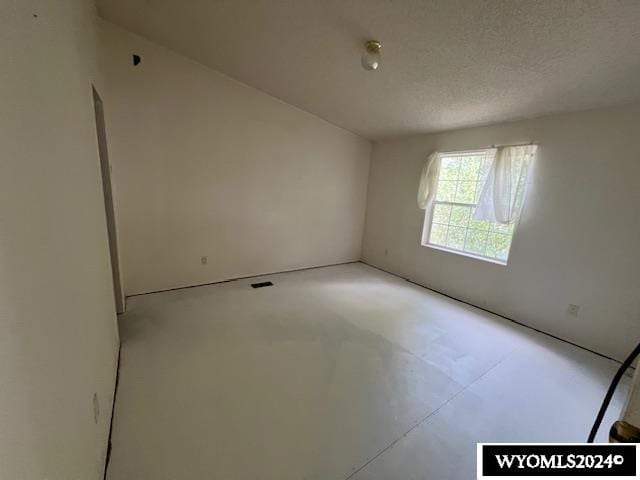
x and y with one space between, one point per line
493 313
181 287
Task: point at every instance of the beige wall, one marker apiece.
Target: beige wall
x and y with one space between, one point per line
206 166
577 242
58 336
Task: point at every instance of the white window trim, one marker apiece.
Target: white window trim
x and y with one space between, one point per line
426 227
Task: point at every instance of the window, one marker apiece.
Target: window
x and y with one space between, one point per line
449 223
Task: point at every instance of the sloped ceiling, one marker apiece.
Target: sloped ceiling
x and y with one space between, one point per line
446 63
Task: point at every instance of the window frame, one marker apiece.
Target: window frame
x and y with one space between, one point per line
428 219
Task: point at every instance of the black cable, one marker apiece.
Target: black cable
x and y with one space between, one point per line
612 388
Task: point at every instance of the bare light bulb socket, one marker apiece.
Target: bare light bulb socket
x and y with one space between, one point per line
371 57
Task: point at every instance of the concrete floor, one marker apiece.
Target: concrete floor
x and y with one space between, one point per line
335 373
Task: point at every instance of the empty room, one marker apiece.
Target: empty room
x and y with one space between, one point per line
319 239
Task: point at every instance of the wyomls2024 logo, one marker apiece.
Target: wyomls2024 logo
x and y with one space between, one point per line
557 460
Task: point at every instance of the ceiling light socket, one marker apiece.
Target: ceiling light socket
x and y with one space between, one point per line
371 57
373 46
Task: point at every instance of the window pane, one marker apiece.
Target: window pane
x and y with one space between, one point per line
484 168
446 191
479 186
456 237
498 245
449 167
438 234
460 215
441 213
466 192
501 228
476 241
479 224
470 168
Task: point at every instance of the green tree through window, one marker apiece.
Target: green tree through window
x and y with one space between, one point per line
450 224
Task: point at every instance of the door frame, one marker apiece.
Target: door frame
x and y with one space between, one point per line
112 232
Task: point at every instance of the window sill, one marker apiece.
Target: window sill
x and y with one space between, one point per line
495 261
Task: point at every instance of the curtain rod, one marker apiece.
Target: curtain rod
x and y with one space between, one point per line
514 145
490 146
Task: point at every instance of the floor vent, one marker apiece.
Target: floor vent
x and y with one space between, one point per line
261 284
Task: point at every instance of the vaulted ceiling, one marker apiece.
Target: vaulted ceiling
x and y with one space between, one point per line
446 63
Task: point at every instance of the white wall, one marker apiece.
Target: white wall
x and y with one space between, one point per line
58 335
577 242
204 165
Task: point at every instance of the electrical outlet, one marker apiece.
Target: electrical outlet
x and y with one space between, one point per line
96 407
573 309
204 260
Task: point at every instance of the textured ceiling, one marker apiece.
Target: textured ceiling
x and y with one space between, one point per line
446 63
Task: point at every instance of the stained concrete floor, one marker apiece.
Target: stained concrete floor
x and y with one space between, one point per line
338 373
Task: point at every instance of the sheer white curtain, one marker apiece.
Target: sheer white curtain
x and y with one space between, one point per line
429 181
503 191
